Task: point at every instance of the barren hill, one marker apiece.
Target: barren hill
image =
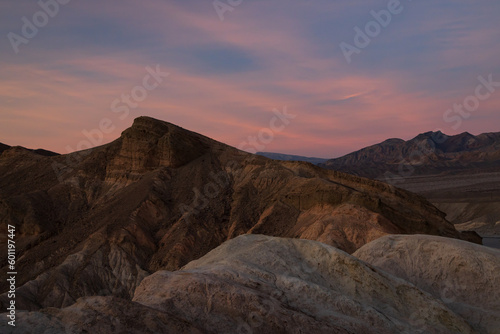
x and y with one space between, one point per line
459 273
97 222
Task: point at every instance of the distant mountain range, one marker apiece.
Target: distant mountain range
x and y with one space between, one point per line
290 157
459 174
429 153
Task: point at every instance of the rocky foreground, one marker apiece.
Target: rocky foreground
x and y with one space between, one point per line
463 275
97 222
262 284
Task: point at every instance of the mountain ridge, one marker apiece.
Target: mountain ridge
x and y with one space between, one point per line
459 174
96 222
437 152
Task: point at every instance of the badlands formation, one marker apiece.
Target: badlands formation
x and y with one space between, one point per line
162 230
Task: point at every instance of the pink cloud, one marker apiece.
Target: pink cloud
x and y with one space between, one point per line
339 109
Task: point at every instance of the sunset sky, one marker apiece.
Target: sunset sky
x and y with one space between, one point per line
227 76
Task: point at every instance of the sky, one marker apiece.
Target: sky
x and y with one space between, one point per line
348 73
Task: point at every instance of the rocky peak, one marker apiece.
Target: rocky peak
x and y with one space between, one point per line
145 128
437 137
150 143
461 142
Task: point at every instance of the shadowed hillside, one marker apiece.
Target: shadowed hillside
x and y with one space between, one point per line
97 222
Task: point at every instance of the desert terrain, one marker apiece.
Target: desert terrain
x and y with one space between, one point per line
196 236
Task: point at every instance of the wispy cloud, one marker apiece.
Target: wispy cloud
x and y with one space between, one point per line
227 76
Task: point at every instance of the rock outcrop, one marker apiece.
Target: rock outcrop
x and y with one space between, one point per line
261 284
463 275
